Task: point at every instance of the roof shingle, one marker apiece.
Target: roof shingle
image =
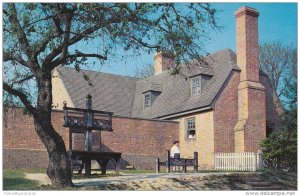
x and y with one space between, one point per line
124 95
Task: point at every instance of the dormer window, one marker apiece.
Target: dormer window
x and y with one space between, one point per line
147 100
196 85
150 97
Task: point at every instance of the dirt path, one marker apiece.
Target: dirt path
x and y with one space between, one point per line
41 178
180 181
164 181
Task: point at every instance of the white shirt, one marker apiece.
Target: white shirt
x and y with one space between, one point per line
174 150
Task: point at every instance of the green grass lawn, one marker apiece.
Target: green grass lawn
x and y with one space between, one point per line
14 179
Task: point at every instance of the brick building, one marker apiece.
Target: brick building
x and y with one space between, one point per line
224 105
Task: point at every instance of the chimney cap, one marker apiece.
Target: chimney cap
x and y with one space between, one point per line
246 11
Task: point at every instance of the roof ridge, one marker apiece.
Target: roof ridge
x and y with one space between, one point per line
211 55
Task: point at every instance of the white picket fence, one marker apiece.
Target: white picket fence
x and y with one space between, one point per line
247 161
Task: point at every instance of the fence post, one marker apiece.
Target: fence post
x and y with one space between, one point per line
196 162
157 165
168 161
184 167
254 161
215 163
260 160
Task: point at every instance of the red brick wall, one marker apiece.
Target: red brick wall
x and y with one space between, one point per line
255 129
226 114
18 130
144 137
140 141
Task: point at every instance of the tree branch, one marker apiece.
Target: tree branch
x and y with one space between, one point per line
19 30
21 96
71 41
79 54
57 62
23 79
10 57
68 22
80 36
139 41
43 44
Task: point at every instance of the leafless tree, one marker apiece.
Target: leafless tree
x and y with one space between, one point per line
279 62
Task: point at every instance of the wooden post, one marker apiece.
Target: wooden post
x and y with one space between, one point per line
70 139
168 161
88 133
184 167
196 162
88 141
65 113
103 165
87 167
100 141
117 166
157 167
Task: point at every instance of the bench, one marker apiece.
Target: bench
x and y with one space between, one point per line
177 162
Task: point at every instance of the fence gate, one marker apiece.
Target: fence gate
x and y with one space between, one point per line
247 161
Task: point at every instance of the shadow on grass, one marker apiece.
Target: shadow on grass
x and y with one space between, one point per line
286 180
116 187
82 176
19 184
224 182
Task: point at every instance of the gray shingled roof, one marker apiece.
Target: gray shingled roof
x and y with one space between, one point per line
109 92
124 95
176 94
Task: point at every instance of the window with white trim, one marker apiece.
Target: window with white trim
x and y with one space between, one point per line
191 128
147 100
196 85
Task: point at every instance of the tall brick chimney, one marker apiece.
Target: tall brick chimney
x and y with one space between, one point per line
251 126
162 62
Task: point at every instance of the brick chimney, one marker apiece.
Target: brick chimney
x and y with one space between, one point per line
162 62
247 43
251 126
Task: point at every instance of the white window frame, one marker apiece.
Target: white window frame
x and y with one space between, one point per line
190 126
147 103
196 85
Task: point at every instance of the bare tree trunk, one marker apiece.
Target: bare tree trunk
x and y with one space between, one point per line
59 167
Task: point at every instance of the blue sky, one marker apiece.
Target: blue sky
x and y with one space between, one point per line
277 22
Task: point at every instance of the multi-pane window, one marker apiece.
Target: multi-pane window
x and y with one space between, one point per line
196 85
147 100
191 130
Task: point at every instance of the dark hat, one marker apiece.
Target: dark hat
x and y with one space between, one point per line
175 142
